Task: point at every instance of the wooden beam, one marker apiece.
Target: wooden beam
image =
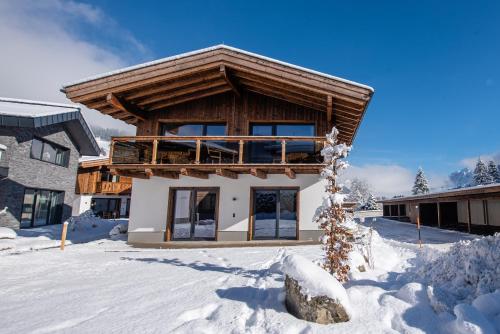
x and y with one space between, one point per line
182 99
165 174
124 106
128 173
258 173
329 112
226 173
194 173
180 92
290 173
225 76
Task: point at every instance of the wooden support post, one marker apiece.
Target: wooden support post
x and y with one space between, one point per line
194 173
111 151
198 151
469 220
283 151
258 173
226 173
290 173
155 151
329 112
63 235
240 153
418 227
439 214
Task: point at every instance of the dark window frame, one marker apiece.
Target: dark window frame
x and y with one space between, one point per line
33 203
251 227
66 151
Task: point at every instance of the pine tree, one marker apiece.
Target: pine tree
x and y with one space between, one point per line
493 172
420 186
481 176
371 203
332 216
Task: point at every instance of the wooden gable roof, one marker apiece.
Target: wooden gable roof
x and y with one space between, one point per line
129 94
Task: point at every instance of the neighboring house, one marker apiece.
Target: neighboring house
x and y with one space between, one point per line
473 209
40 144
228 143
107 195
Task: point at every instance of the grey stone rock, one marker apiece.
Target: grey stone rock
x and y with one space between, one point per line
320 309
8 220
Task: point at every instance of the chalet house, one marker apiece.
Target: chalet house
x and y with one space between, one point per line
227 145
40 144
106 194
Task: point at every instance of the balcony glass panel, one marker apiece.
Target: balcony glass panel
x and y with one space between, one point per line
263 152
219 152
302 152
176 152
132 152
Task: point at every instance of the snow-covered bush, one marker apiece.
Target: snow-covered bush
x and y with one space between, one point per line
481 175
468 270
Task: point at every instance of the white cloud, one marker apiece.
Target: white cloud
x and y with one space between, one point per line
389 180
42 49
471 162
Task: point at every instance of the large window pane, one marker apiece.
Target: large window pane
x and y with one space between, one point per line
295 130
41 208
56 207
215 130
265 214
49 153
288 214
182 219
28 206
36 149
204 220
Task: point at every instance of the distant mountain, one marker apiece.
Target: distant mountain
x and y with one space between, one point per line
461 178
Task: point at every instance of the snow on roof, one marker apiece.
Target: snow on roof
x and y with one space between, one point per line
29 108
22 113
212 48
452 192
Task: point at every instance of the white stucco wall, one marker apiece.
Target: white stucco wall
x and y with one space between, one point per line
149 204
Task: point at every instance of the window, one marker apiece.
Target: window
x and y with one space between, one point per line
270 151
3 149
41 207
200 129
49 152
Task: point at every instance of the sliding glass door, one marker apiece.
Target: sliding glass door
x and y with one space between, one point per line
274 213
41 207
194 214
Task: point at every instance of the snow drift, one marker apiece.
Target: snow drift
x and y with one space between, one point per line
469 269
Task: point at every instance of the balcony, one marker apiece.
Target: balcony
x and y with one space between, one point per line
170 156
115 188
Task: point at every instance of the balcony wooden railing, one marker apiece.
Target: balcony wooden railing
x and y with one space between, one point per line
106 187
216 150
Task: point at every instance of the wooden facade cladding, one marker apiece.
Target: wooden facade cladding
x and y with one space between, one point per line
236 113
88 181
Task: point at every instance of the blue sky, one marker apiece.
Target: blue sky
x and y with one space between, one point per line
434 64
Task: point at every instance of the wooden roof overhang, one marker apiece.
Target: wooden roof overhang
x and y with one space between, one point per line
131 93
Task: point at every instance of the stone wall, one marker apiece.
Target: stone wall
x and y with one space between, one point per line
25 172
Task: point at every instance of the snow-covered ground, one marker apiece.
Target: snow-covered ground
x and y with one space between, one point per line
108 286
